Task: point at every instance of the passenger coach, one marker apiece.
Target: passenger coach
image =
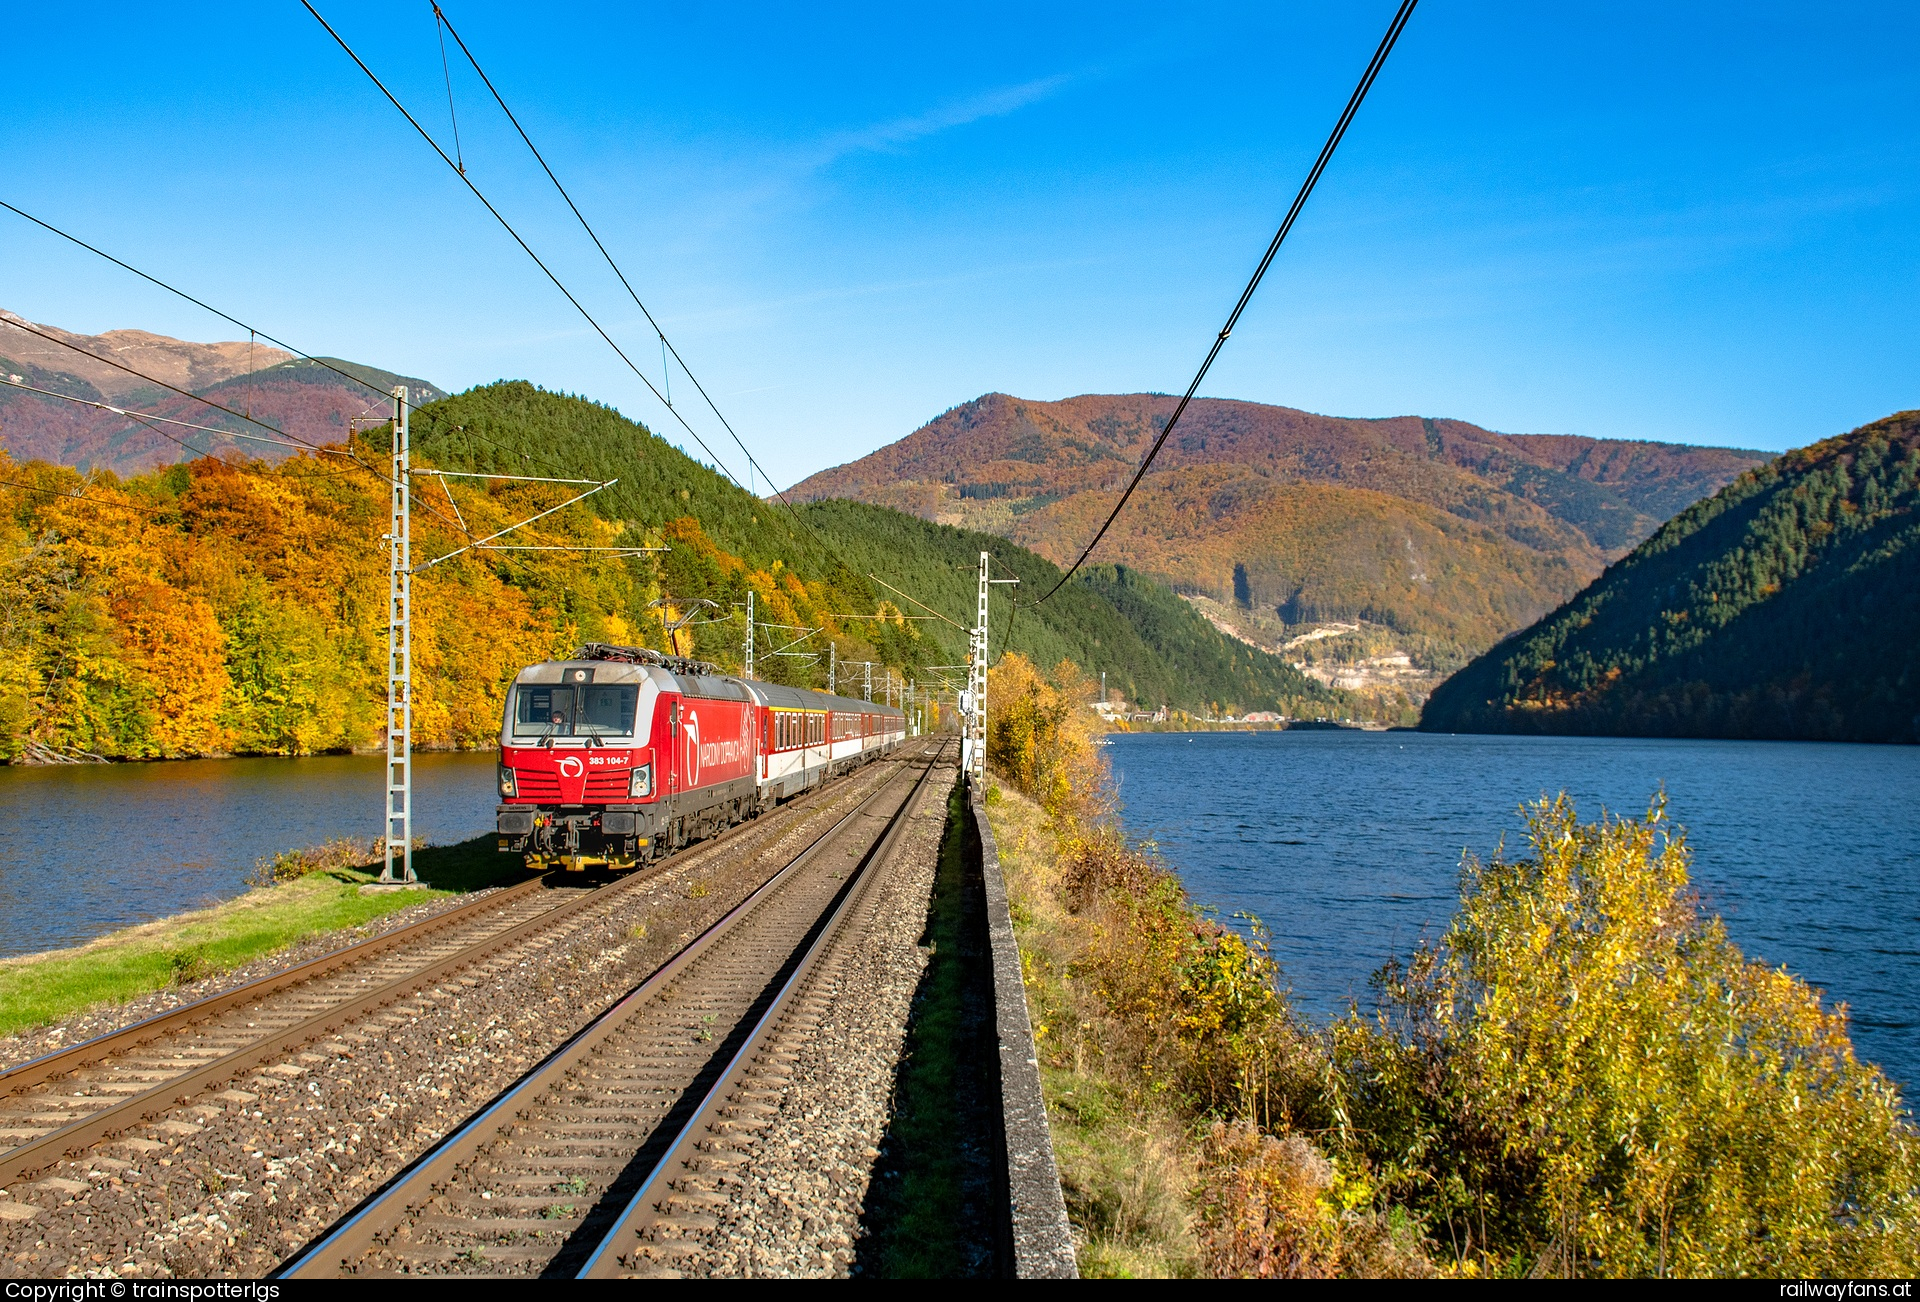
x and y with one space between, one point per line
620 755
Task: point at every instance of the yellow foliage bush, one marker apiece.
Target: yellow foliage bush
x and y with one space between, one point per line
1276 1208
1585 1076
1041 736
1183 1010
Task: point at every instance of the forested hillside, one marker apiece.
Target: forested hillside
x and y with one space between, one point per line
1151 645
1161 652
1784 606
224 606
1433 538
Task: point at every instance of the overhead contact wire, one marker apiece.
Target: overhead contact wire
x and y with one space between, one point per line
593 235
181 293
509 228
557 283
666 344
171 388
298 442
1246 295
228 317
82 497
149 416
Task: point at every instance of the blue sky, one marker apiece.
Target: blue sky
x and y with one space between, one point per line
1690 223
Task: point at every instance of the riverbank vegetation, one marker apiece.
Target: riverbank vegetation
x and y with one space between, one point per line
218 608
297 895
1581 1076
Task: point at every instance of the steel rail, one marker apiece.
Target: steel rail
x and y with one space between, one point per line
350 1238
119 1114
644 1208
34 1071
37 1154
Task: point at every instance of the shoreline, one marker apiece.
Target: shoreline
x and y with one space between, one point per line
1222 725
438 748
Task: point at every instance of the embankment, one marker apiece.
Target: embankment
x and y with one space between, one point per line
141 970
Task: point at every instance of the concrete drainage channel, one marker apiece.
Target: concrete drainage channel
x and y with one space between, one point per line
966 1183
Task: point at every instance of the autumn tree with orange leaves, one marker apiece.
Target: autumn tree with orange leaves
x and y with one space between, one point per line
235 607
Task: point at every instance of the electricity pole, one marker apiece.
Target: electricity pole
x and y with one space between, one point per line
974 751
976 720
749 669
869 668
832 665
398 810
399 819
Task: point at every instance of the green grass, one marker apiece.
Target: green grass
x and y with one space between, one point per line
1125 1172
40 988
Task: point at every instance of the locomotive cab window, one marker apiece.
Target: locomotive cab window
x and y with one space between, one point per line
542 710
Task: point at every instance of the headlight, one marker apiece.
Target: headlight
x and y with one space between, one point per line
508 787
641 783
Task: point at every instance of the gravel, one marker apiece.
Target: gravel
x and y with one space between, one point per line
801 1189
243 1178
24 1046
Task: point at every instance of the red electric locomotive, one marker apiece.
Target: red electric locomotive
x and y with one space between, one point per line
620 755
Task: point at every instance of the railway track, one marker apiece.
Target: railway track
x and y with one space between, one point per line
61 1104
594 1161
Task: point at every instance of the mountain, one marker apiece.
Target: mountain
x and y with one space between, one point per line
185 365
1781 607
303 398
1409 540
1155 648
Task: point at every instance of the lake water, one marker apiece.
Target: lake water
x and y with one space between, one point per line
90 848
1347 844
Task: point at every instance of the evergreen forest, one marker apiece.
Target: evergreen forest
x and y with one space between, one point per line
1781 607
